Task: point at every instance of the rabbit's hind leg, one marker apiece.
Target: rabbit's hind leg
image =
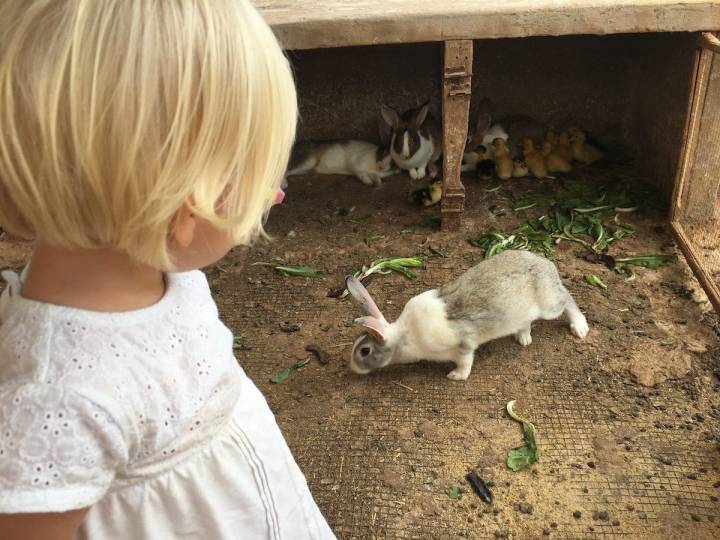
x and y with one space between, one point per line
369 179
463 364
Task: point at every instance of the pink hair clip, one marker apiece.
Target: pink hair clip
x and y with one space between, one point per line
277 197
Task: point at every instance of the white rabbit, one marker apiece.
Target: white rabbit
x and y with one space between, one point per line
513 129
415 140
364 160
498 297
483 136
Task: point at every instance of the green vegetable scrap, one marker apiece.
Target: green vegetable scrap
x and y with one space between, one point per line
386 265
280 376
300 271
527 237
649 260
624 265
584 213
239 342
592 279
453 492
527 454
373 238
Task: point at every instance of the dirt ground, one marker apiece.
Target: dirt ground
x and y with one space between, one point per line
628 420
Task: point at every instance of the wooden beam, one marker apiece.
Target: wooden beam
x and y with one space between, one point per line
316 24
457 78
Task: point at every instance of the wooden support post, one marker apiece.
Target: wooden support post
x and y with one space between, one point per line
457 78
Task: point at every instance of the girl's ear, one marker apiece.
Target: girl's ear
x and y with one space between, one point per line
183 227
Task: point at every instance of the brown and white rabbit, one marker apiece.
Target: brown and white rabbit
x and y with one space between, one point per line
415 141
366 161
501 296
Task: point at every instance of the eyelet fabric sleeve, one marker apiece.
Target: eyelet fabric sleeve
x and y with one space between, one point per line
58 449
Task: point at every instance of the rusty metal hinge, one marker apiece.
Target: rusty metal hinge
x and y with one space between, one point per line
458 81
456 73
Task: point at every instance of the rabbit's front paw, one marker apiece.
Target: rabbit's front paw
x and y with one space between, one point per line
459 374
580 328
523 337
413 173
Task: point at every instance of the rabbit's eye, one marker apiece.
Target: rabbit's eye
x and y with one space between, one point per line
364 351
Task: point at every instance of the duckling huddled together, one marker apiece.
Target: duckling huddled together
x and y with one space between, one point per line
556 153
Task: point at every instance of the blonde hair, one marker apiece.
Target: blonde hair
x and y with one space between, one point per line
114 113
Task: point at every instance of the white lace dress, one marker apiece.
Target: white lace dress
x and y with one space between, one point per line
146 417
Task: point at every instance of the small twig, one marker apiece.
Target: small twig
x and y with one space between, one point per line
403 386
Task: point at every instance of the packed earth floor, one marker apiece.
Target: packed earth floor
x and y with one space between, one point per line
628 420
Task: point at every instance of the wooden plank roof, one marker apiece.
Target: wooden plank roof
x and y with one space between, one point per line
312 24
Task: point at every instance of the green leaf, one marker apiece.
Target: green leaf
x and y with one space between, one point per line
649 260
454 492
239 342
280 376
592 279
436 251
527 454
386 265
407 230
373 238
626 270
524 207
392 264
324 221
301 271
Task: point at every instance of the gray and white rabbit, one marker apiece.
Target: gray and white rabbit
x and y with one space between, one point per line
415 140
498 297
366 161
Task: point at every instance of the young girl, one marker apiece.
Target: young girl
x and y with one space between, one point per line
140 140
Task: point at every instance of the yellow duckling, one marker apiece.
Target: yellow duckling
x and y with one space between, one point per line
584 152
563 148
428 196
503 161
553 161
535 161
520 168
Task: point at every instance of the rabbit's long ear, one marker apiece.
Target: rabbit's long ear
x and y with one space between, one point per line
483 124
362 298
420 114
376 327
385 131
391 116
